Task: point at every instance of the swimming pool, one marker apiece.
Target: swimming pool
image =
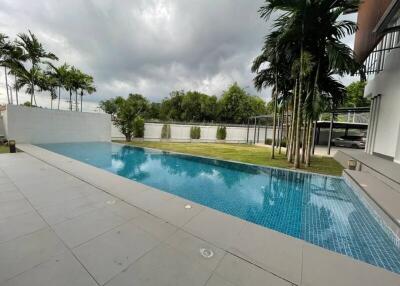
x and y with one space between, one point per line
322 210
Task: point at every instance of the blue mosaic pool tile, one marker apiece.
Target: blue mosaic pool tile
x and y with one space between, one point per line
322 210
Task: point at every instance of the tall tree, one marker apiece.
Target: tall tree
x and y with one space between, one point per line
236 105
307 29
60 74
125 111
5 50
87 87
49 83
34 53
355 95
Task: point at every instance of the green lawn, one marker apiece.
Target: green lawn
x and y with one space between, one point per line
243 153
4 149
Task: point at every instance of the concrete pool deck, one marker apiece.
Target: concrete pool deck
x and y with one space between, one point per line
63 222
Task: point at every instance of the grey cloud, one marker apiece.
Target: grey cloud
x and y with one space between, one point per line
147 46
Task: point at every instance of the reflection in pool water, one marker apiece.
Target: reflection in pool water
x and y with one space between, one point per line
319 209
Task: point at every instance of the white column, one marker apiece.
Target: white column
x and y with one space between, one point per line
376 112
370 126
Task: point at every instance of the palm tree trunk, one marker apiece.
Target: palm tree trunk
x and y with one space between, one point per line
298 125
281 129
309 143
310 121
70 100
304 141
76 100
287 127
32 93
293 124
59 97
274 125
81 101
16 89
51 101
11 96
8 96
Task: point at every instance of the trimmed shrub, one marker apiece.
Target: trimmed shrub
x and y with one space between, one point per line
138 127
166 132
221 132
195 132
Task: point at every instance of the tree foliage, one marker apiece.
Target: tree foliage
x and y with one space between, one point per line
138 127
355 95
299 59
125 113
234 106
32 67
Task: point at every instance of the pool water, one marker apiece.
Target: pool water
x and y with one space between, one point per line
322 210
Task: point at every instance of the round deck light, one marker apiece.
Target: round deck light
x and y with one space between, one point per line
188 206
110 202
206 253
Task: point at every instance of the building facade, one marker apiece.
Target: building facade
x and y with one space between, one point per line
377 46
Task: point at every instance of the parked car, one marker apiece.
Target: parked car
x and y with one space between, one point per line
350 141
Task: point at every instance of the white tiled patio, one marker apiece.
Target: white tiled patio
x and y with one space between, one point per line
63 222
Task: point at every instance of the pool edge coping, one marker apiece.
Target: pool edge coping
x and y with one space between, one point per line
303 243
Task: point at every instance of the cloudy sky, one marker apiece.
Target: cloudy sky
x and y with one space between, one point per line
146 46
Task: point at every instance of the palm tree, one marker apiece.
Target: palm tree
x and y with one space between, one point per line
74 83
5 48
87 86
49 83
16 57
60 74
34 53
307 34
275 75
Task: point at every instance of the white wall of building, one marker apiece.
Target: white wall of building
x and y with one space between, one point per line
181 133
386 84
397 154
38 125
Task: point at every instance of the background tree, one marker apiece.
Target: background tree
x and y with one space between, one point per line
125 111
4 49
307 34
355 95
109 106
48 83
8 53
192 106
60 75
171 108
34 53
154 111
236 105
86 87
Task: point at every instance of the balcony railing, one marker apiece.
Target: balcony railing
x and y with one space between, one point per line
376 60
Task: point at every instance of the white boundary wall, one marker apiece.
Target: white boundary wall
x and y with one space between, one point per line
181 133
38 125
